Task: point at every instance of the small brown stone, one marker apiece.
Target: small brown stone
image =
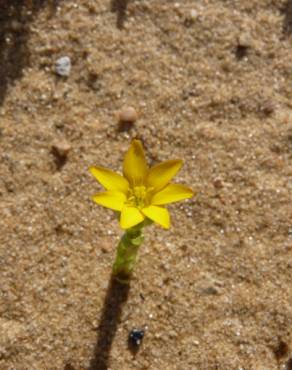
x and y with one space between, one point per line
60 150
268 108
218 183
127 115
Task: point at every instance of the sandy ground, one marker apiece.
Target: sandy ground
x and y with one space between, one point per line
211 81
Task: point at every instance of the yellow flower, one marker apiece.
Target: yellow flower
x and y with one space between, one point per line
141 192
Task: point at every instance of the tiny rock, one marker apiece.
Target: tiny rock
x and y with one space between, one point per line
127 115
193 14
61 149
245 40
218 183
63 66
267 108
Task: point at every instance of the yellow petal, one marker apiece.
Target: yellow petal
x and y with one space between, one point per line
135 167
110 199
130 216
161 174
157 214
171 193
109 179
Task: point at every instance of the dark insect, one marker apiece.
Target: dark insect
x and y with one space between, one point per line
135 337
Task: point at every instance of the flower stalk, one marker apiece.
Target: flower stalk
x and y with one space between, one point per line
127 253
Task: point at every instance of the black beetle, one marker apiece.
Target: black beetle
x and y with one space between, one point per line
135 337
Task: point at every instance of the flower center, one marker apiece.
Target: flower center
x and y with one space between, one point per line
138 196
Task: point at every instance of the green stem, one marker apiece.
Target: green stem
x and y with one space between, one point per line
127 253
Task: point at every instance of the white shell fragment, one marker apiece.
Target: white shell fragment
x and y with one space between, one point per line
63 66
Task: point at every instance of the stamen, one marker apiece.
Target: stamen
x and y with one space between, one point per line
138 196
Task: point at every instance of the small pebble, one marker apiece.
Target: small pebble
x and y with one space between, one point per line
193 14
63 66
136 336
245 40
268 108
218 183
127 115
61 149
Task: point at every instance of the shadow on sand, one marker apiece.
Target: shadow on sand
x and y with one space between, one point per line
287 11
116 296
120 7
15 18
